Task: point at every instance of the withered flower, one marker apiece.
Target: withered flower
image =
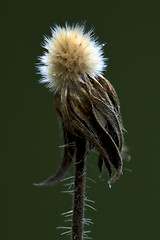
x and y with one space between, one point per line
89 108
72 68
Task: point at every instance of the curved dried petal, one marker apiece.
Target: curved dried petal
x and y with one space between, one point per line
102 160
101 101
113 123
69 150
111 92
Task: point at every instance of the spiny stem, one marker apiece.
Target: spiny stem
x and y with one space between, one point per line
79 190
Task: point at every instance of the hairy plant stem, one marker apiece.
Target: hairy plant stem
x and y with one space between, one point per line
79 190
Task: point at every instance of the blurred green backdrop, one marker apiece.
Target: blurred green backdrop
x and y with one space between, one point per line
31 132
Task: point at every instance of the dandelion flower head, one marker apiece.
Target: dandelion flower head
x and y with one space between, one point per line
71 55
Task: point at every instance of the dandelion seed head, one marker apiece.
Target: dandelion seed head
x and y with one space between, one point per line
71 54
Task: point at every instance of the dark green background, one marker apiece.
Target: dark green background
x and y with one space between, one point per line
31 132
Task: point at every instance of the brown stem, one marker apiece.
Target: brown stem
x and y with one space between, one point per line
79 190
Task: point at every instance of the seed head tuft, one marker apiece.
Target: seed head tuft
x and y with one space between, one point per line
71 55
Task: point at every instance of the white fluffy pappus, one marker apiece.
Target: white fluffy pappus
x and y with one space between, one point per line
71 55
